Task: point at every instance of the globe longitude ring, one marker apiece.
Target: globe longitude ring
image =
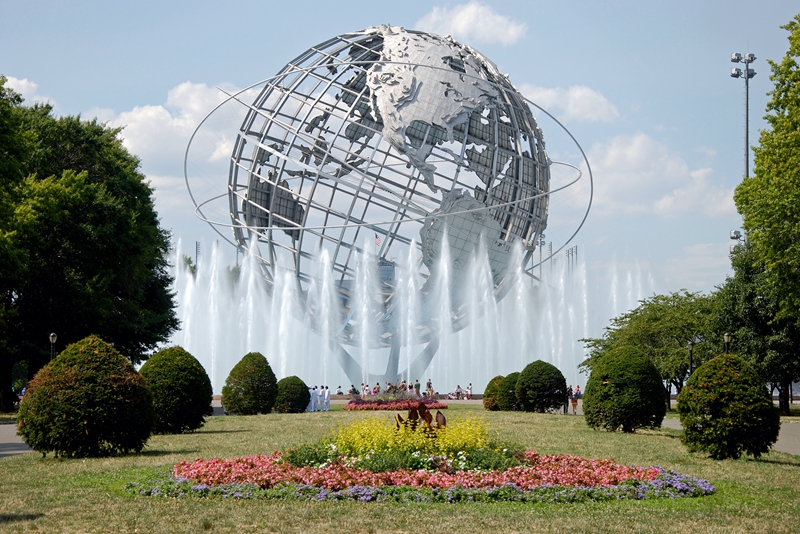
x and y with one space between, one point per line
382 163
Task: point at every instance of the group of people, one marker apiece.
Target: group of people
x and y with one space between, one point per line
320 399
459 393
573 396
389 387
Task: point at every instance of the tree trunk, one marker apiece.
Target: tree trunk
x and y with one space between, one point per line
7 396
668 393
783 396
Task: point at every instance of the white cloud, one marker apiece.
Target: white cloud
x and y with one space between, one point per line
637 174
472 22
577 103
28 90
700 266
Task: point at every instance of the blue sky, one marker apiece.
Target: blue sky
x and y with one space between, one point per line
644 87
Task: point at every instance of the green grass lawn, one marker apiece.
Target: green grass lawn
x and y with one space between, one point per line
54 495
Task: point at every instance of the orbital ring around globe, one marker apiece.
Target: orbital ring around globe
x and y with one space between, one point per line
414 138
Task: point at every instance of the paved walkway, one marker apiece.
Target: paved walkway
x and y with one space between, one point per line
788 440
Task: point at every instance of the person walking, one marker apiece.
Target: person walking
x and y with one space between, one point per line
568 399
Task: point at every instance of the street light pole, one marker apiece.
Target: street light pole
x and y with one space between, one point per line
53 338
727 337
691 349
747 73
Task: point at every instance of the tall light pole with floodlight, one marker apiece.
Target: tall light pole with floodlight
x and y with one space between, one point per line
745 73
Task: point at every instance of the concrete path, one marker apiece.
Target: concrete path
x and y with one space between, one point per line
10 442
788 439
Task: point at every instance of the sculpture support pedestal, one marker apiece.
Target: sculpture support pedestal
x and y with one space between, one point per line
356 374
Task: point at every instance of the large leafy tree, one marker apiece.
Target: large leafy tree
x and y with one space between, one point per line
86 253
769 201
659 328
746 305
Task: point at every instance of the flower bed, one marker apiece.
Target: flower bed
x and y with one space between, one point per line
373 460
270 471
392 405
664 485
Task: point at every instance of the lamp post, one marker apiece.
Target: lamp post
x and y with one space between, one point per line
747 73
691 348
727 337
53 338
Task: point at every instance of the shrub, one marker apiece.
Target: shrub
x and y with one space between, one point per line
725 410
251 387
181 391
490 394
293 395
624 391
88 402
541 387
507 393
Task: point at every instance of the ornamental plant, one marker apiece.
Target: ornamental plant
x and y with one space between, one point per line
293 395
88 402
624 391
251 386
541 387
507 393
373 434
490 394
181 391
726 410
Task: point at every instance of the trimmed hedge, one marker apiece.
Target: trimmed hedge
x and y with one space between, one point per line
624 391
293 395
490 394
181 391
507 393
726 410
541 387
251 386
88 402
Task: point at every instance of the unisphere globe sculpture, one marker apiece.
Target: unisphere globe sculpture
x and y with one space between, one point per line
377 174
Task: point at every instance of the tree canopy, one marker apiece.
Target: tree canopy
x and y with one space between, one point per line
660 328
746 305
81 248
769 201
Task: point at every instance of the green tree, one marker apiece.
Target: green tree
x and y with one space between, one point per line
541 387
769 201
624 391
660 328
726 410
82 250
746 306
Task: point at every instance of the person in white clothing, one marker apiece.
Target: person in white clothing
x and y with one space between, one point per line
319 398
312 399
469 391
326 399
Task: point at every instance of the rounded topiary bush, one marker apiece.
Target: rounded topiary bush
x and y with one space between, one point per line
181 391
293 395
490 394
726 410
507 393
251 387
624 391
88 402
541 387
